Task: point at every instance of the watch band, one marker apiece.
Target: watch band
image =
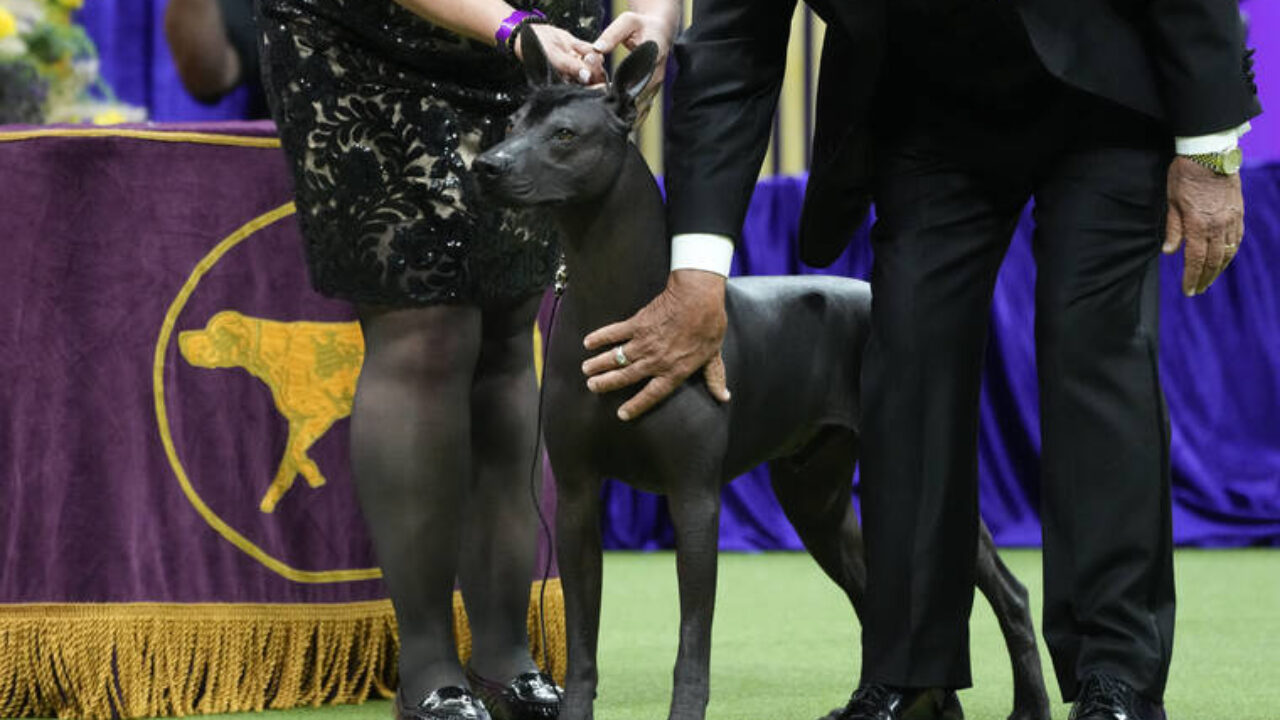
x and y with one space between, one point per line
1226 162
507 31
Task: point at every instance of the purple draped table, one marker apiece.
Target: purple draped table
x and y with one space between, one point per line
179 529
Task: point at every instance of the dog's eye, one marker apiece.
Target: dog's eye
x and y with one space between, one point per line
564 135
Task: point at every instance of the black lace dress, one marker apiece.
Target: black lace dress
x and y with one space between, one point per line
381 113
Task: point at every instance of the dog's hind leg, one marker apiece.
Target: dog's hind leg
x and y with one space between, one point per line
694 501
579 554
815 491
1009 600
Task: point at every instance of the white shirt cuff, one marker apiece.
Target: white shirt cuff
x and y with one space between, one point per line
702 251
1211 143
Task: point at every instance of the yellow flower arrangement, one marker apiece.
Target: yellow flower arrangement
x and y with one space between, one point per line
110 117
8 24
49 67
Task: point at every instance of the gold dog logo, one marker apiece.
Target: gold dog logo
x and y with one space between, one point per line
279 354
310 367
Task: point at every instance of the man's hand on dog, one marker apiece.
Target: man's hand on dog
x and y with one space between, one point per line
678 333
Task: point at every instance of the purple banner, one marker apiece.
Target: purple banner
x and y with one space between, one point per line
175 430
179 527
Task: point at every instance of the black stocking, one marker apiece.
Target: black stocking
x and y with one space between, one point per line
411 459
500 536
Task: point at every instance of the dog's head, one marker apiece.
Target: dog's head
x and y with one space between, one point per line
224 342
567 142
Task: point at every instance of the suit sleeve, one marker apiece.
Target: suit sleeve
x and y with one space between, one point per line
1204 71
730 65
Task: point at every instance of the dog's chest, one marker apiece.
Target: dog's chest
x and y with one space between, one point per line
583 431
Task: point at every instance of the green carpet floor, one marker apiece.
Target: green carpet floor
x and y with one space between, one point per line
785 643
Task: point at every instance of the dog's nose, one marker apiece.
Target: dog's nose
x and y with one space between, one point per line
491 164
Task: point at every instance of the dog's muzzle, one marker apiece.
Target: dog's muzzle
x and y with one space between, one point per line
491 165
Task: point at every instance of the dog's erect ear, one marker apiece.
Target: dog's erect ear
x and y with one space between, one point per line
536 66
631 77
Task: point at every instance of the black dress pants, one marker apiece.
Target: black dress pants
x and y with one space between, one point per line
949 192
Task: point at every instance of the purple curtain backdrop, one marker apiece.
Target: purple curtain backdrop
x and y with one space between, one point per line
1220 364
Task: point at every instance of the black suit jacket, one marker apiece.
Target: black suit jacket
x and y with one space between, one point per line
1180 61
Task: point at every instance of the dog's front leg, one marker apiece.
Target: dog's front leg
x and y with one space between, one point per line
695 512
1012 607
578 550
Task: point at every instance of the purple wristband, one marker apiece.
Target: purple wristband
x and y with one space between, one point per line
513 23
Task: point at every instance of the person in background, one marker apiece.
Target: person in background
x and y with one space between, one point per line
382 106
214 44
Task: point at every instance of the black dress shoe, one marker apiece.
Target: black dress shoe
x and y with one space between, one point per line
1104 697
530 696
447 703
873 701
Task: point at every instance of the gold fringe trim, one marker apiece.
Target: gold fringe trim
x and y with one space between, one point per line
139 660
173 136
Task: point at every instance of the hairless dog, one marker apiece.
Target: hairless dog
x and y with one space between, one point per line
792 351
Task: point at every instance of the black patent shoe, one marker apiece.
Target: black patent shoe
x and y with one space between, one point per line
1105 697
874 701
530 696
447 703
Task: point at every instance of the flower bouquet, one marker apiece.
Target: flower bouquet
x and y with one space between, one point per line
49 68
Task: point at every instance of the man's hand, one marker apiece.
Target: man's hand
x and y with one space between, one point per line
1207 209
669 339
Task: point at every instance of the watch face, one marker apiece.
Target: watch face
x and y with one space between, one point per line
1231 160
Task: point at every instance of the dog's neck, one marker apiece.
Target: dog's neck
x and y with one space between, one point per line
616 246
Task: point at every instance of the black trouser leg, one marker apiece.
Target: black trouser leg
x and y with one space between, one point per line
939 240
1108 548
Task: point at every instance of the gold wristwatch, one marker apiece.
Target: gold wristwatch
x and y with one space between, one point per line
1224 162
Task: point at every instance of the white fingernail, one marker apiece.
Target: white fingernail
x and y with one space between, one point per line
623 415
583 76
599 47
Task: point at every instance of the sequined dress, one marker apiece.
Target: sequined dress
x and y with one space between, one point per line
380 114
